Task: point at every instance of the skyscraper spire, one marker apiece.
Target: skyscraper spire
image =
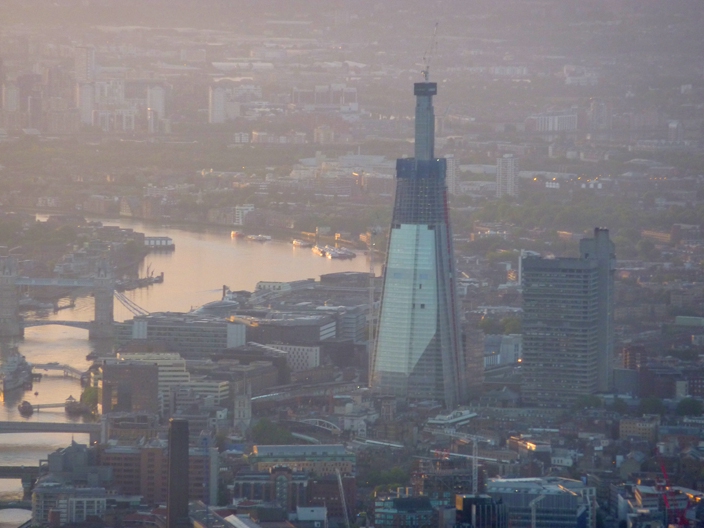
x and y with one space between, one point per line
418 354
425 120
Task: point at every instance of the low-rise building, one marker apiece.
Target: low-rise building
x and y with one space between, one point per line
555 501
58 504
645 428
321 460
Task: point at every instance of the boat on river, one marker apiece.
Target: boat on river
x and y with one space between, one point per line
25 408
259 238
15 372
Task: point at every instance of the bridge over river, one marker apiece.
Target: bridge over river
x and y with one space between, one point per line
28 475
102 285
85 325
93 429
67 370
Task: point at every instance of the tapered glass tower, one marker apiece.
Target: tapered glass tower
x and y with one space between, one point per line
418 354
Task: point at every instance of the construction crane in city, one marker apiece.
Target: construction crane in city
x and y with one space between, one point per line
370 327
533 505
467 438
429 52
342 498
672 510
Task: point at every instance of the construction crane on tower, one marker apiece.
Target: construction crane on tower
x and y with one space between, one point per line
370 338
429 52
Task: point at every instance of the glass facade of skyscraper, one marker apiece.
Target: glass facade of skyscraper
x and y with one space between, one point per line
418 350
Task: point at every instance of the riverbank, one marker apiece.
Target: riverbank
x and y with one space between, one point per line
274 232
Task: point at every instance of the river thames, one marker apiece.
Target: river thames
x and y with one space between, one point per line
194 274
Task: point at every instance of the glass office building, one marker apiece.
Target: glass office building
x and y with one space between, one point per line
418 353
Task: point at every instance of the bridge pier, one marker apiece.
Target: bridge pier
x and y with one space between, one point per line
27 487
10 322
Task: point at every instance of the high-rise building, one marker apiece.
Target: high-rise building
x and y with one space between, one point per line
128 387
10 97
418 353
568 320
156 100
506 174
480 511
177 495
85 95
84 64
451 177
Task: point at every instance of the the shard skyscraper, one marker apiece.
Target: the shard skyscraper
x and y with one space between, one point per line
418 353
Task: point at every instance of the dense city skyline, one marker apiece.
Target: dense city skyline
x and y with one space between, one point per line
484 309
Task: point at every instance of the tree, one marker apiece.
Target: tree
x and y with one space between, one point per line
619 406
690 407
268 433
491 326
512 325
587 401
90 397
651 405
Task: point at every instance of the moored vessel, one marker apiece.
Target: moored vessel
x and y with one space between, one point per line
16 373
259 238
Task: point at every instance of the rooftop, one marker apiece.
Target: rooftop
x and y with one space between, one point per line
300 450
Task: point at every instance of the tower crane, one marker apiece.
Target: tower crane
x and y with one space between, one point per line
342 498
533 505
465 437
370 339
429 52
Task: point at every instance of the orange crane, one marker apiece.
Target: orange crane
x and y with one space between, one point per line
679 515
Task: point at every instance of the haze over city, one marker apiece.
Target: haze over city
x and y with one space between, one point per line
305 264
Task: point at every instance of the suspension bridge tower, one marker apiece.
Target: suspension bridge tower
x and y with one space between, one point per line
103 291
10 323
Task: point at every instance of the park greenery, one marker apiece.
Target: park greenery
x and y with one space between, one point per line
507 325
266 432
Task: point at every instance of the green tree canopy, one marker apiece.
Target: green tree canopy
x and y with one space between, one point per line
619 406
588 401
268 433
651 405
690 407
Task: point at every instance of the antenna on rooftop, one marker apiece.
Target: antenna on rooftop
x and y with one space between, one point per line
428 54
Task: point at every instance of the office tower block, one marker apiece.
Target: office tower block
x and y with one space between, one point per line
506 175
128 387
85 102
177 494
480 511
156 100
84 64
602 249
568 310
10 97
451 178
418 353
635 357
